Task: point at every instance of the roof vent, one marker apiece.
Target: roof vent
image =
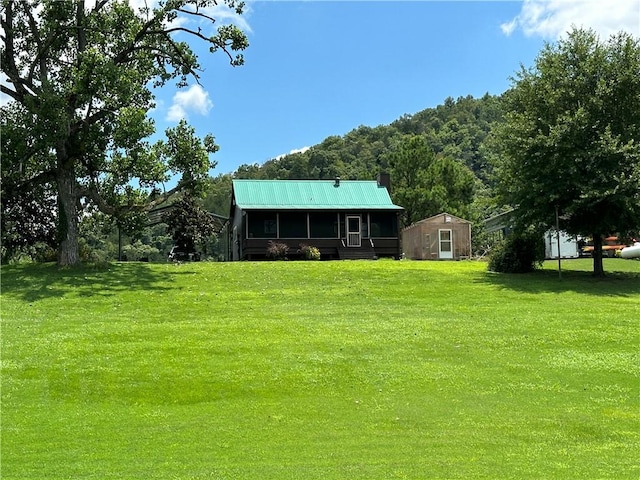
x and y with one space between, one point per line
337 184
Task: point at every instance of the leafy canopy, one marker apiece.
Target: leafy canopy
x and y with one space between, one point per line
571 137
80 77
189 224
426 184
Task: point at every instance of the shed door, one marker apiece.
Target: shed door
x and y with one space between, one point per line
445 244
353 231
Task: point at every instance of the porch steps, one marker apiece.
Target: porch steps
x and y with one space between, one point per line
365 252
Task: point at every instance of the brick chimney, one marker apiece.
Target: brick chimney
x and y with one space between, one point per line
384 180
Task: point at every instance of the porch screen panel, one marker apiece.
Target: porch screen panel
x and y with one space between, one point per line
364 226
383 224
262 225
293 225
323 225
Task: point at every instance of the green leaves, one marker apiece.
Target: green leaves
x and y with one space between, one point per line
186 154
426 184
570 139
80 74
188 224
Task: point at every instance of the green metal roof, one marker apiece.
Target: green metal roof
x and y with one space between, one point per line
311 195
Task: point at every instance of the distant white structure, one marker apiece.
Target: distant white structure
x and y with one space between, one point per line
631 252
568 245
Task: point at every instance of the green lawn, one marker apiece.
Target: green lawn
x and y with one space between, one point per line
320 370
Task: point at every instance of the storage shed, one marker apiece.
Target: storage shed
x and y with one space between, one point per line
441 237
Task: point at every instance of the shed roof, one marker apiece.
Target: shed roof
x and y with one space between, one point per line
311 195
442 216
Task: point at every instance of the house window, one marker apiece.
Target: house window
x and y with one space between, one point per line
293 225
323 225
262 225
383 224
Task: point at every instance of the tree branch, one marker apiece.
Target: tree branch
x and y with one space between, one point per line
13 94
10 69
48 176
92 192
99 5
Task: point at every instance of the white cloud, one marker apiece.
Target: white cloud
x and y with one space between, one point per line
299 150
222 13
295 150
508 28
4 98
195 99
225 16
551 19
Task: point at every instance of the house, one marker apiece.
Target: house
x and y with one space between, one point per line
441 237
499 226
568 245
344 219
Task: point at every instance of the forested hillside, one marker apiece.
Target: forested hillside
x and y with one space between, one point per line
453 134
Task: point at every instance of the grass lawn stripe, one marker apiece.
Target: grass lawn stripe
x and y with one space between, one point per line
320 370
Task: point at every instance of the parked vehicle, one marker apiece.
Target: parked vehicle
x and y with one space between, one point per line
176 255
610 246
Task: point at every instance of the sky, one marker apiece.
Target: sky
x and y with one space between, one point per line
320 68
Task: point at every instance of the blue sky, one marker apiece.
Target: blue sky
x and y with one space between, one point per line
321 68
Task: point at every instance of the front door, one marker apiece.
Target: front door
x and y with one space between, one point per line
353 231
445 244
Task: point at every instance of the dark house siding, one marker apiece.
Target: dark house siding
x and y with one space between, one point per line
324 230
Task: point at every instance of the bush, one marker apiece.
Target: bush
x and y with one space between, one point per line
138 251
309 252
277 250
40 252
518 253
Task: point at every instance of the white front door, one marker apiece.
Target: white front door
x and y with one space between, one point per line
445 244
353 231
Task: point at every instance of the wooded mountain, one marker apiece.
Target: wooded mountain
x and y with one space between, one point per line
455 130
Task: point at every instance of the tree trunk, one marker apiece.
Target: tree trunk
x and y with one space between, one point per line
598 269
68 251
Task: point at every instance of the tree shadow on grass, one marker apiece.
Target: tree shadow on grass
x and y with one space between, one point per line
38 282
614 284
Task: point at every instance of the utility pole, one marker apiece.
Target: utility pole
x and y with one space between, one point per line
558 238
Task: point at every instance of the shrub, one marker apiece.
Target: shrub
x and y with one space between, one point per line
277 250
138 251
310 252
518 253
40 252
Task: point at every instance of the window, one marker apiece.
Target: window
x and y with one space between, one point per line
364 227
262 224
293 225
323 225
384 224
445 240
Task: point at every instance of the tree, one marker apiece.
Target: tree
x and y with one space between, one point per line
26 220
426 184
571 138
218 197
80 79
188 224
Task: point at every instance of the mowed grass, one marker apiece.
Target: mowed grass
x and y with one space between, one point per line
325 370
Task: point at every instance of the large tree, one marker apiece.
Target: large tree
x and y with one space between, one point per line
80 77
426 183
571 138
